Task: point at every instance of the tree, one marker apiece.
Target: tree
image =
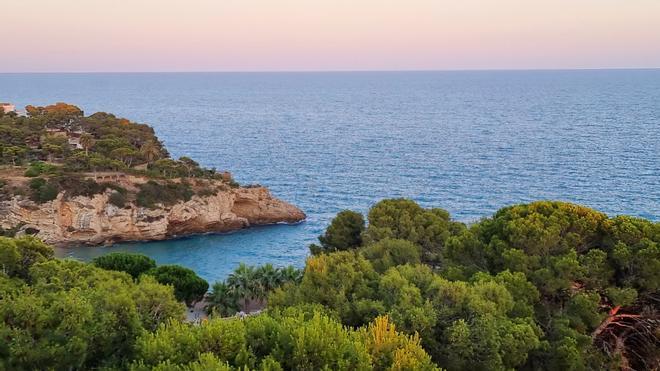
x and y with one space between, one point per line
344 233
66 314
291 274
124 154
42 190
55 146
188 286
405 219
343 281
245 285
150 151
18 255
87 141
190 165
294 339
133 264
13 153
269 277
390 253
248 284
222 300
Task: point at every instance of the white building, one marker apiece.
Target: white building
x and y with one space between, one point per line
7 107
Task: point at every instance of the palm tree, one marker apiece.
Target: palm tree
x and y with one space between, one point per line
269 277
244 284
291 274
150 150
222 301
87 141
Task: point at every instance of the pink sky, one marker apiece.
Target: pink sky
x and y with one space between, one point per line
292 35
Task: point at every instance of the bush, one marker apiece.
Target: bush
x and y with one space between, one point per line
152 193
18 255
133 264
207 192
118 199
42 190
388 253
39 168
68 315
188 286
76 186
344 233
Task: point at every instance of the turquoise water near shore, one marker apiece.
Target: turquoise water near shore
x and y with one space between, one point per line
470 142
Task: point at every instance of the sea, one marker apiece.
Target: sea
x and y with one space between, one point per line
470 142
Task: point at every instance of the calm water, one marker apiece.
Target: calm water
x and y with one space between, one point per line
470 142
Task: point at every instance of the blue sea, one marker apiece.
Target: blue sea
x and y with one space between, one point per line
469 142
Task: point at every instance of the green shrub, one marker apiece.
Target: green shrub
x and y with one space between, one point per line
188 286
118 199
152 193
38 168
133 264
76 186
344 233
31 172
42 190
67 315
207 192
388 253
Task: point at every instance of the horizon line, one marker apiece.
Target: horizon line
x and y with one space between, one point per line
338 70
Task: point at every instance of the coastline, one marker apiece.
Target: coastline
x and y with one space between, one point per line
60 250
91 221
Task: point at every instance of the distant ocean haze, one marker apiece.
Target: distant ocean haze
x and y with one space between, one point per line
469 142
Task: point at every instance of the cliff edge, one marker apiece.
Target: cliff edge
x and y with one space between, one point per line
95 220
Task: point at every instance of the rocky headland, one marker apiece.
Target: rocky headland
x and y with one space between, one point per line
71 179
93 220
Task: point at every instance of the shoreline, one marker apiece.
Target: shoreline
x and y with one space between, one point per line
59 248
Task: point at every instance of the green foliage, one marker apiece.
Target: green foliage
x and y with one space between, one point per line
528 288
118 199
188 286
76 186
153 193
38 168
51 138
249 285
17 255
133 264
343 281
42 190
62 314
290 340
404 219
343 233
547 285
388 253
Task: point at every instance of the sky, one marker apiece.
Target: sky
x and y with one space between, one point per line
321 35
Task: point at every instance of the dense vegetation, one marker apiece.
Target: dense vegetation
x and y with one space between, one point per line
63 314
188 286
547 285
63 151
248 287
67 315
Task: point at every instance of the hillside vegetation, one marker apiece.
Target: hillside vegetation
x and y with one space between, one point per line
57 149
540 286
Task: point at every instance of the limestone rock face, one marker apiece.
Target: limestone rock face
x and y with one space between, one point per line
93 220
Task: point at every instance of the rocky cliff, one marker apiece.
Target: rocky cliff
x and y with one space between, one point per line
94 220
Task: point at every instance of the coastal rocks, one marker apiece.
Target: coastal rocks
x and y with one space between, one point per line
93 220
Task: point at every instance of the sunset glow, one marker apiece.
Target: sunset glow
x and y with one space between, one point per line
258 35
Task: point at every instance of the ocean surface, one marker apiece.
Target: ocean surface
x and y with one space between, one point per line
469 142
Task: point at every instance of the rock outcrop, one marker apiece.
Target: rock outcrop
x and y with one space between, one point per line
94 220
